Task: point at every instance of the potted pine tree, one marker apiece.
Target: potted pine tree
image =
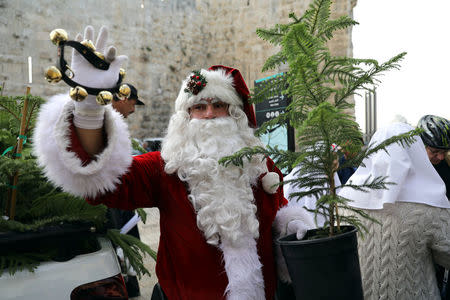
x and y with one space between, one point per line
324 264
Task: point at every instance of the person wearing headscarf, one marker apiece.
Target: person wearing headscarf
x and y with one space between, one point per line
436 137
397 256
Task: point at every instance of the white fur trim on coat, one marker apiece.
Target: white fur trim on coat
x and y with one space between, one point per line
244 270
51 139
220 85
280 228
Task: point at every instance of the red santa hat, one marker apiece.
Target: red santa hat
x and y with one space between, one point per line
224 83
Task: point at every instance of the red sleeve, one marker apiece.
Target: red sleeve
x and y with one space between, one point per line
139 187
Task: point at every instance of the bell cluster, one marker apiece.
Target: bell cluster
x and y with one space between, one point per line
78 93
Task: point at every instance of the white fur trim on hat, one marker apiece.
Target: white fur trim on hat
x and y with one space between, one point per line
219 85
51 139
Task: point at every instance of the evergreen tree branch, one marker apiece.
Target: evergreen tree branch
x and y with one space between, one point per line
133 249
343 22
321 9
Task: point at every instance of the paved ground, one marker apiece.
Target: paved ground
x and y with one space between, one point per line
149 233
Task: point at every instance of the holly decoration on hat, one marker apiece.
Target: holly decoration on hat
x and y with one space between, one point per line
196 83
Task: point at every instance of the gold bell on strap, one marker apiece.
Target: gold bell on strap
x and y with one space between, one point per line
53 74
78 93
58 35
104 98
124 92
89 44
99 54
122 73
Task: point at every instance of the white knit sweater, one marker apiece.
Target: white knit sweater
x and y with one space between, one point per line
397 258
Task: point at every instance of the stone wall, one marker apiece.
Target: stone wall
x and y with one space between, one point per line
164 40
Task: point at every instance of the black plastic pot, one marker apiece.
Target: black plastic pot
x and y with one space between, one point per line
62 242
324 268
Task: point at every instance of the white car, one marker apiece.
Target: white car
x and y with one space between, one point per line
95 275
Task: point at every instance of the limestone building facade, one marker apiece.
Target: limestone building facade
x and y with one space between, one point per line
164 40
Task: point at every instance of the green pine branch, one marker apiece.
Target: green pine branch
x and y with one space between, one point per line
329 27
134 250
142 214
14 262
136 146
320 13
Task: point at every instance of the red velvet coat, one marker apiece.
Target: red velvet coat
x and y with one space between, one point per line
187 267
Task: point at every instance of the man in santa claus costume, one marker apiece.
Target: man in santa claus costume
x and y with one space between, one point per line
217 223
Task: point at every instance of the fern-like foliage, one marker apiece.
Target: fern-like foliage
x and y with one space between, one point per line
11 110
136 146
14 262
134 250
142 214
320 86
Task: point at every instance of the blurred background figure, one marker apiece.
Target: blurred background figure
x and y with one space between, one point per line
345 173
127 106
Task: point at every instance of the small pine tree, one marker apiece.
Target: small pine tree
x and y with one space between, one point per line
320 86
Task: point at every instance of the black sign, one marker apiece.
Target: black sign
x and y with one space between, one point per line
274 103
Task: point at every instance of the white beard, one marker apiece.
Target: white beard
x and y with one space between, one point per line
221 196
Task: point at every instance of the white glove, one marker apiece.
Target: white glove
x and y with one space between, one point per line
297 226
88 114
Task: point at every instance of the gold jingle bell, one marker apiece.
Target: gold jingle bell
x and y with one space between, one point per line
124 92
99 54
58 35
78 93
122 73
53 74
89 44
104 98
